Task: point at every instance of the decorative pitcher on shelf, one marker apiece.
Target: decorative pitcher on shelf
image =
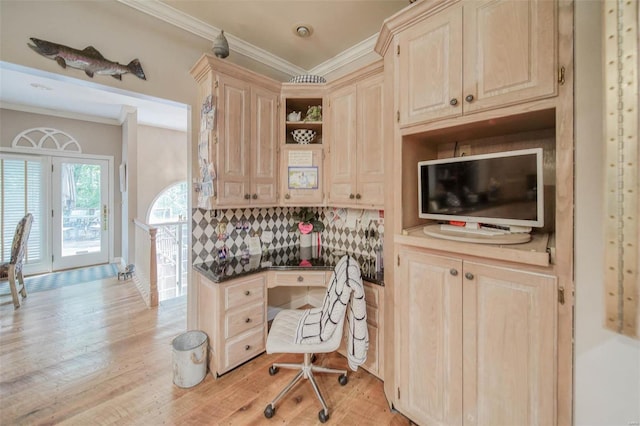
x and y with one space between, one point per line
294 116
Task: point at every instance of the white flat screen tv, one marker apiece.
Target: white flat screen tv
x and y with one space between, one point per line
504 188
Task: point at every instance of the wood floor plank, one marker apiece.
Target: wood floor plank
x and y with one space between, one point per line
94 354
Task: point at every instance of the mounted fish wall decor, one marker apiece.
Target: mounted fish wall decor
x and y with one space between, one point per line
89 60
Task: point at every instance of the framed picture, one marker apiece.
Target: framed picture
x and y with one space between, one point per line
303 177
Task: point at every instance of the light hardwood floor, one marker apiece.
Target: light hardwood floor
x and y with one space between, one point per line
93 354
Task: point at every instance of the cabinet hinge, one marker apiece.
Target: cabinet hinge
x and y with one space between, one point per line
398 50
561 72
561 295
398 260
398 393
51 212
215 84
398 116
52 168
51 258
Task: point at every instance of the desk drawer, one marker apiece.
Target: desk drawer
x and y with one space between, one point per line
371 294
244 293
244 347
372 315
243 319
297 278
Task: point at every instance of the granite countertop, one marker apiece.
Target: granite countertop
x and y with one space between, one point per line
290 258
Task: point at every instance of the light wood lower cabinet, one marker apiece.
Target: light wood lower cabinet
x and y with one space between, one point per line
233 314
476 343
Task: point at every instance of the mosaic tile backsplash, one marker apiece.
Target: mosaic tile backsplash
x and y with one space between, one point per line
352 230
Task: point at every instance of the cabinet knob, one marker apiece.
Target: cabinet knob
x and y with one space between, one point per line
254 196
351 196
247 196
246 293
453 272
468 276
453 102
287 196
246 348
469 98
300 278
248 320
358 196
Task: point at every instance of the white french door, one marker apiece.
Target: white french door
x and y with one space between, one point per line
80 212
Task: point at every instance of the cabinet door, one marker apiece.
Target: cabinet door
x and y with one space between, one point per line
370 152
430 68
509 346
264 135
291 180
342 146
509 52
232 165
429 338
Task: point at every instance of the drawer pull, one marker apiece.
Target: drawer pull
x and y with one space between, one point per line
468 276
247 293
248 320
453 272
469 98
300 278
246 348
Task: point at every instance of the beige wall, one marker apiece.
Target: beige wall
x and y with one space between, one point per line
607 365
162 161
94 138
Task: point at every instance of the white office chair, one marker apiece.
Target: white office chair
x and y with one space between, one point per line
319 330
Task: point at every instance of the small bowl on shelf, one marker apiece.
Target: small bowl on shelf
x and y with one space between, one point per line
303 136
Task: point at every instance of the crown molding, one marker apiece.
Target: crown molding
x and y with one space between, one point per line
195 26
188 23
345 57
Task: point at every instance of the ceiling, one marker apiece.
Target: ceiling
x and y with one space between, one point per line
264 30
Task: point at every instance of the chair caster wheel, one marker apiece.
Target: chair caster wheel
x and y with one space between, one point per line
269 411
343 379
273 370
322 416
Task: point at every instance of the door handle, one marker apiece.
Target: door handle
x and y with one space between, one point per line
105 216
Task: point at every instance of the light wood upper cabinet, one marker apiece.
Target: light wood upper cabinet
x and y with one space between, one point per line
356 141
476 342
264 152
475 56
243 137
509 52
430 68
233 147
343 138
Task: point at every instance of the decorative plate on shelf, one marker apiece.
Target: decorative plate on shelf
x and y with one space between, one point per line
307 78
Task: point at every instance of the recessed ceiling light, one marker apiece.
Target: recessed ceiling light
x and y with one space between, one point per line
303 30
40 86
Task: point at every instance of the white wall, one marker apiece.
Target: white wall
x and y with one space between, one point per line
162 161
607 365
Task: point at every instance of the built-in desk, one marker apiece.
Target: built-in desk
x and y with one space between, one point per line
233 298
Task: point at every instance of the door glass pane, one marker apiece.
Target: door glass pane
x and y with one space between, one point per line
81 203
21 189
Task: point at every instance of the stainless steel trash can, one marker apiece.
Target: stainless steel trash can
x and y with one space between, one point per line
189 358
